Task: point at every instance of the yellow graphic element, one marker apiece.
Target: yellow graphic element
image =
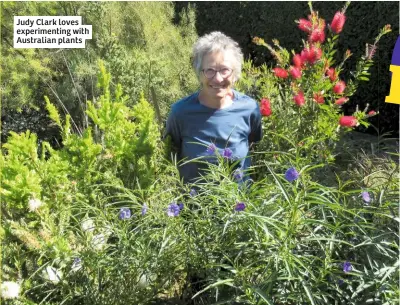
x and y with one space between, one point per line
394 95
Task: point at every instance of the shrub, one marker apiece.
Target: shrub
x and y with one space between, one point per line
305 92
61 207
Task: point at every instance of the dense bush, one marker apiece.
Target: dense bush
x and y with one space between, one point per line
307 88
46 196
137 41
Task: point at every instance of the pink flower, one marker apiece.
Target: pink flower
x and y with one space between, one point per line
338 22
348 121
314 55
341 101
339 87
317 35
372 112
331 72
265 108
281 73
305 25
319 98
304 55
311 55
299 99
295 72
297 61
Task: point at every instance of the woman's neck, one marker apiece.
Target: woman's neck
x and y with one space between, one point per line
216 102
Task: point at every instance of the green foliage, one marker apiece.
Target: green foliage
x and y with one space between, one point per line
288 245
156 54
53 113
137 42
291 241
44 195
20 181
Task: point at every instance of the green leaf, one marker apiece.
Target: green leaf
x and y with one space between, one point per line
228 282
262 295
53 113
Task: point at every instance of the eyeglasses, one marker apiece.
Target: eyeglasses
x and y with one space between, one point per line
210 73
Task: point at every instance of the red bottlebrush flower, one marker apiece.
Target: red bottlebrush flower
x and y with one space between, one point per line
305 25
295 72
315 54
304 55
372 112
319 98
265 108
279 72
338 22
348 121
339 87
311 55
316 22
341 101
331 72
297 61
266 111
299 99
317 35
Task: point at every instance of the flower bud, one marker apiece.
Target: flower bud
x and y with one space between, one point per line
339 87
299 99
281 73
348 121
338 22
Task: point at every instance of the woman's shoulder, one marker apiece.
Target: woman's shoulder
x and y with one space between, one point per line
184 103
245 99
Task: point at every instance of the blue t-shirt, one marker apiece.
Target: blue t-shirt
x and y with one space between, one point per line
194 128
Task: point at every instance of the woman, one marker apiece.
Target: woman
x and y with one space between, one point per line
216 119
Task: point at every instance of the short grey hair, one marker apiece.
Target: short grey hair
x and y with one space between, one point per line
217 42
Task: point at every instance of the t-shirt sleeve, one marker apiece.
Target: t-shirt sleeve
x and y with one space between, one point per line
172 129
256 133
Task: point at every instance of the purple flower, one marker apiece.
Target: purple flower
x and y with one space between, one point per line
240 206
144 209
227 153
124 213
192 193
366 197
173 210
347 267
180 205
77 260
211 149
291 174
77 264
238 174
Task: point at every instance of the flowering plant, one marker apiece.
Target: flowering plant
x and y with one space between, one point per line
305 90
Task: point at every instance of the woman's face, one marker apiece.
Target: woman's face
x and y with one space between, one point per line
217 86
